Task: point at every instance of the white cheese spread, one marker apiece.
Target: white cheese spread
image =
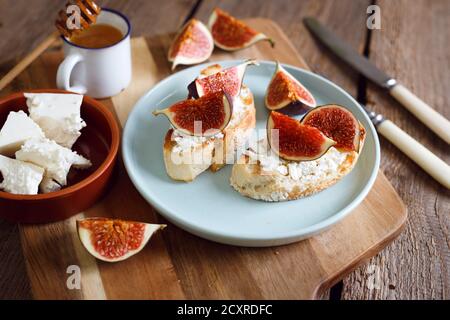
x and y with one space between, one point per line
19 177
55 159
16 130
58 115
303 171
186 143
287 175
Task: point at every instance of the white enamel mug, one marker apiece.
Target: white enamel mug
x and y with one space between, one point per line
99 73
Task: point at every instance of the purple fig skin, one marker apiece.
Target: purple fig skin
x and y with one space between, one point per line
192 88
295 108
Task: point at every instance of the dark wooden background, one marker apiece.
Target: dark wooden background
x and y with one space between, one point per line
412 45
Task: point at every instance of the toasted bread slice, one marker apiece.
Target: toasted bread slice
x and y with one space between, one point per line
185 157
263 176
186 164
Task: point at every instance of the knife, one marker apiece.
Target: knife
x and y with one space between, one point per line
423 157
430 117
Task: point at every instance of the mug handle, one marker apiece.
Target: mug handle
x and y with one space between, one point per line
64 72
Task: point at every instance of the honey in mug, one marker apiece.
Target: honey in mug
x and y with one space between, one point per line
97 36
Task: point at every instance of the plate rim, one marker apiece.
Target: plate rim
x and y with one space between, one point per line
253 241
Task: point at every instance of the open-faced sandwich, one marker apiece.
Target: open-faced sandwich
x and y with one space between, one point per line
211 125
300 158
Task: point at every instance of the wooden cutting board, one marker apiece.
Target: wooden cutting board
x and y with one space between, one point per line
175 264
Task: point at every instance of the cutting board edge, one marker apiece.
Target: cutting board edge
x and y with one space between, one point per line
326 284
369 252
375 249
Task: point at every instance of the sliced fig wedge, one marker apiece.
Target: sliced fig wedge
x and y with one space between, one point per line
228 80
114 240
206 116
193 44
337 123
231 34
286 92
293 141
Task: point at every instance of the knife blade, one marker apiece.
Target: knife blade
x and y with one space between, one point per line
348 54
430 117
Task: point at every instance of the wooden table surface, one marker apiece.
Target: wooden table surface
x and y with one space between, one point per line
412 45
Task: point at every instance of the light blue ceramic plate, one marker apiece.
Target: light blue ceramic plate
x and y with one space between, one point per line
209 207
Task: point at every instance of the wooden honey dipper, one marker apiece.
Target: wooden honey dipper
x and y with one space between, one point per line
89 11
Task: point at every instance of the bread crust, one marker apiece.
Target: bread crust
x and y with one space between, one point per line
182 167
215 153
250 180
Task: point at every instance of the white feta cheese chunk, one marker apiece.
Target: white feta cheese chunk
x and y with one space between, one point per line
20 177
58 115
16 130
55 159
48 185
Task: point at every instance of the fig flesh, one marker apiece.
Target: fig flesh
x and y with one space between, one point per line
337 123
205 116
114 240
293 141
231 34
193 44
287 94
228 80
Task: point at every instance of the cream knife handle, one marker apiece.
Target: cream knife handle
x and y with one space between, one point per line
430 117
429 162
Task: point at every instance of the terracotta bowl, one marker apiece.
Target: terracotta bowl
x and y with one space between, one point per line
99 142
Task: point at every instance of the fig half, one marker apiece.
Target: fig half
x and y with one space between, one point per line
231 34
293 141
337 123
287 93
193 44
228 80
206 116
114 240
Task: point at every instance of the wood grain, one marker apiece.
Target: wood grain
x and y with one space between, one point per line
14 282
42 243
28 59
412 46
412 39
18 36
24 25
342 16
179 265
